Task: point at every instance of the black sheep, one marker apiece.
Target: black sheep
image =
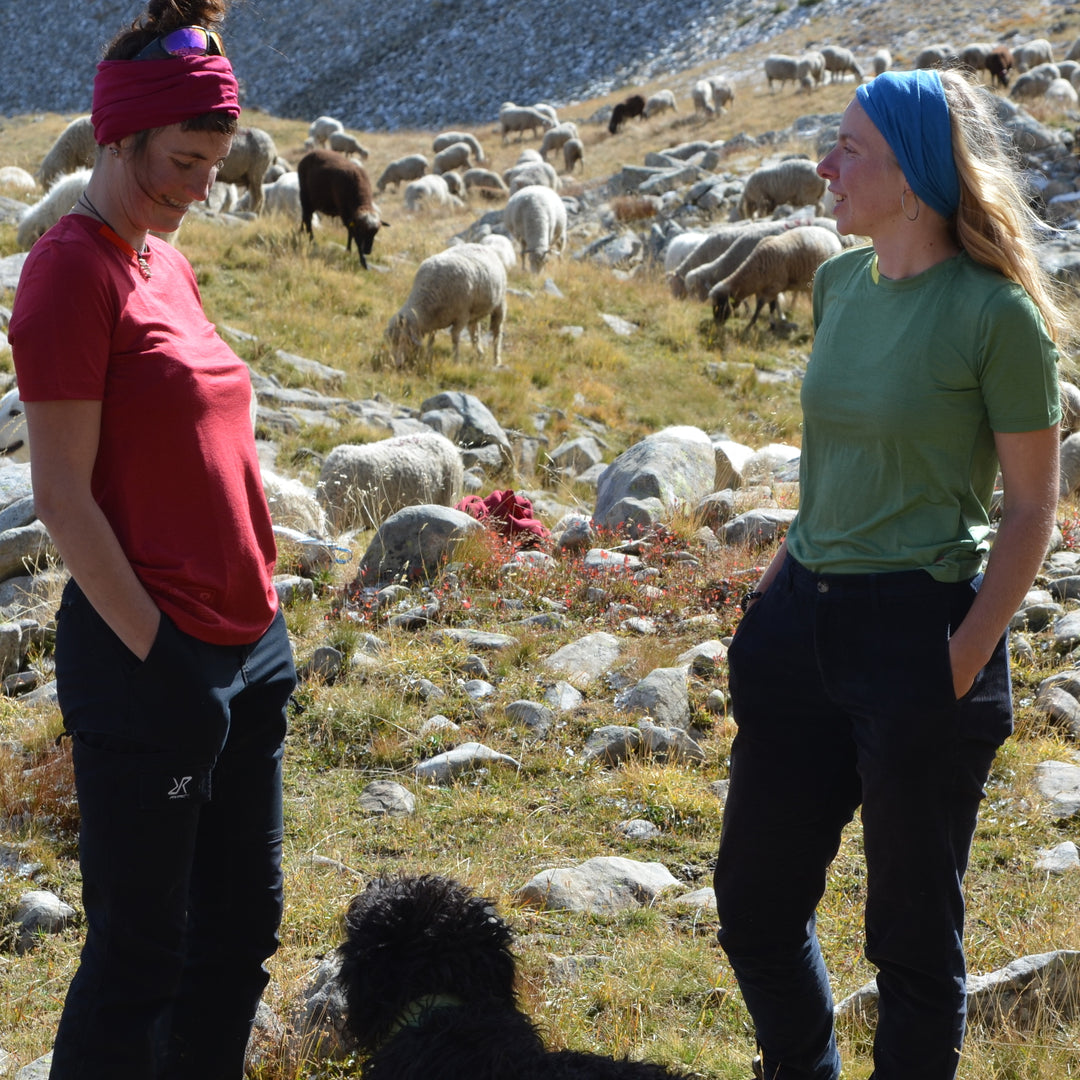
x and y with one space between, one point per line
334 185
634 105
999 63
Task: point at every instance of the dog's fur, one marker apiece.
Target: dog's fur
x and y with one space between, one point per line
428 978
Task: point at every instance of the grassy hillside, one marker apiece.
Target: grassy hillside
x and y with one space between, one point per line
659 989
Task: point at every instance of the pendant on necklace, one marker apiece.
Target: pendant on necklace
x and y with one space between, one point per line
144 266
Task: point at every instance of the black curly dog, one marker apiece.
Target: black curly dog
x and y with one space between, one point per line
428 979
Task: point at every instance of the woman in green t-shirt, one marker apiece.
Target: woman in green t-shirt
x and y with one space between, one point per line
933 366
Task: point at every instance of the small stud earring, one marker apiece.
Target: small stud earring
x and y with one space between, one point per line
114 150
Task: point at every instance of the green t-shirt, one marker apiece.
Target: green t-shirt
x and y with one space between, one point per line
907 383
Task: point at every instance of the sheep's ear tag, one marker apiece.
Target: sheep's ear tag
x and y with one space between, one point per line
875 277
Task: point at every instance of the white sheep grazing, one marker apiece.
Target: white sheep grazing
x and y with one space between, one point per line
251 154
659 102
839 62
455 156
454 183
1032 53
11 176
547 110
881 61
321 128
490 183
723 92
503 246
782 263
448 138
678 247
556 138
293 505
522 118
934 55
346 144
530 173
428 193
781 67
365 484
810 69
411 167
75 148
48 210
794 181
1034 82
702 96
454 289
573 153
535 217
700 281
283 197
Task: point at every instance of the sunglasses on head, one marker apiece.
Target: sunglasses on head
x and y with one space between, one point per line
184 41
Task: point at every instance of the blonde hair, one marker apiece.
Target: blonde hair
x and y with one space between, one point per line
994 223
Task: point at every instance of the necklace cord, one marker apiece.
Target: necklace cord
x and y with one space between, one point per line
140 257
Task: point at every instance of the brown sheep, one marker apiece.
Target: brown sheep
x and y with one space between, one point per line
334 185
1000 64
634 105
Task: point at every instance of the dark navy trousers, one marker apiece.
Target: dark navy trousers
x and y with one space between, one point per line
842 692
178 774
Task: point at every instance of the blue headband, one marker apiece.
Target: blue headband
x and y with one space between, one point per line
910 111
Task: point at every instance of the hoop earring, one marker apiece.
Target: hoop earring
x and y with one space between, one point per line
903 208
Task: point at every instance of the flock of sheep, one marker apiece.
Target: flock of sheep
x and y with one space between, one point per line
762 254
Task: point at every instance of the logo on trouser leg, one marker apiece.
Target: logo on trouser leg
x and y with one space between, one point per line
179 790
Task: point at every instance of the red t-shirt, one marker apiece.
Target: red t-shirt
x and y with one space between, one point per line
176 473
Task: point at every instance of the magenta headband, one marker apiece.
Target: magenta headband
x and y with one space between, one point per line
133 95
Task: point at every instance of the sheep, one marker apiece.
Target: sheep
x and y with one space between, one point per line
251 154
573 153
411 167
781 263
934 55
719 240
973 56
547 110
779 66
428 193
454 156
999 63
530 173
1062 93
337 186
838 62
321 128
1074 51
555 138
454 184
283 197
659 102
12 176
75 148
810 69
48 210
364 484
344 143
632 106
503 246
488 182
794 181
701 279
528 154
679 246
522 118
702 96
454 289
448 138
723 93
535 217
1035 81
276 171
1035 52
881 61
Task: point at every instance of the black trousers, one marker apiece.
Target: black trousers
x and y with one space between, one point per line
842 692
178 774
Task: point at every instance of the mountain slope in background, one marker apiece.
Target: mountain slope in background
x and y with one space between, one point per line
432 63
